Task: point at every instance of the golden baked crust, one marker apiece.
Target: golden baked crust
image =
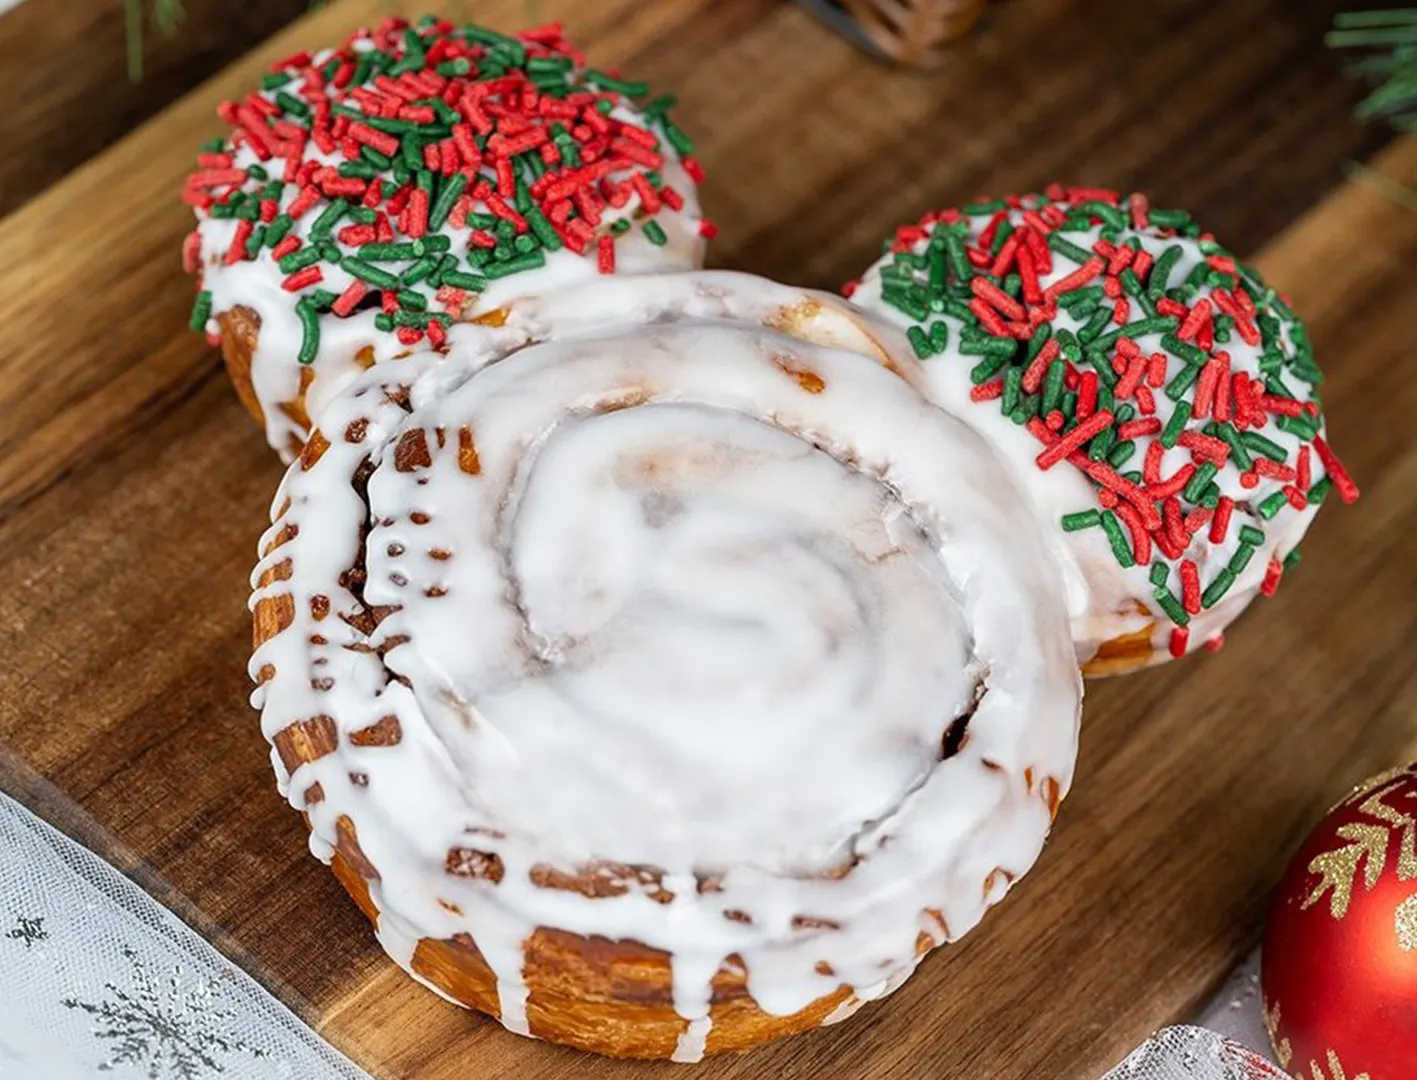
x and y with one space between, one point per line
607 997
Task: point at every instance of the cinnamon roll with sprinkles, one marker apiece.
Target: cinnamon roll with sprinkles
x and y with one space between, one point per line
661 672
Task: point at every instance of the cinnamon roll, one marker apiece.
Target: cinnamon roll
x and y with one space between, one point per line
368 197
662 672
1154 398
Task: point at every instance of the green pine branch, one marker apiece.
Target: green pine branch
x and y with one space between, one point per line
1388 60
165 14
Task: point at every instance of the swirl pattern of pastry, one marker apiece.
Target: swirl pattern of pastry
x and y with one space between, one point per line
368 197
661 671
1153 397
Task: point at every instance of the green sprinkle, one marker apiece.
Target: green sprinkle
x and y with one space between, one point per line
939 336
1251 535
980 209
414 301
1159 324
201 310
1195 488
325 223
1227 434
1169 219
470 282
388 252
1001 237
1084 519
1105 212
1174 427
1120 454
1053 385
1013 382
1256 442
1160 572
970 345
919 342
619 86
954 252
1092 294
1241 559
367 272
1183 350
516 265
1161 271
620 225
1068 249
1120 548
451 190
654 232
256 172
1036 342
383 321
310 332
1094 326
1292 559
1169 604
1272 505
1218 588
1101 444
1027 409
682 144
986 369
363 215
1304 427
299 260
1180 386
1319 491
255 241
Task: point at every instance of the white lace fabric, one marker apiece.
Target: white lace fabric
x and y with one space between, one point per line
97 978
1192 1053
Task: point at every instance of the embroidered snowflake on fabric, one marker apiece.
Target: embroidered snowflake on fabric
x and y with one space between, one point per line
29 930
172 1026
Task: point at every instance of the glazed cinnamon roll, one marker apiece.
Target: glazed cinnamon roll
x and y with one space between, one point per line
368 197
663 673
1155 399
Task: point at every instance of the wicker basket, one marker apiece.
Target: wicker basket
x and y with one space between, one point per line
912 32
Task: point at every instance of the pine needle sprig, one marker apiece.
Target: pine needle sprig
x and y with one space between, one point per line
1390 62
165 14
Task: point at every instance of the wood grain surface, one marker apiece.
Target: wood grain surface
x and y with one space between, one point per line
133 488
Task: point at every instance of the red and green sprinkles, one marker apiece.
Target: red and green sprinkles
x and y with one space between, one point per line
1087 390
410 130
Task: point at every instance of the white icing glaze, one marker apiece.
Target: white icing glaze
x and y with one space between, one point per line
276 375
1102 595
704 613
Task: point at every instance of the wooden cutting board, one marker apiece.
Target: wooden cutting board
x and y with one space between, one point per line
133 488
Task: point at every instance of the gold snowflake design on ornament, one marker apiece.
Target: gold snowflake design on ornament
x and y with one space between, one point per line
1367 843
173 1028
1335 1070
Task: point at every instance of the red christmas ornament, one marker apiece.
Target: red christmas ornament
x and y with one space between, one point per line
1339 969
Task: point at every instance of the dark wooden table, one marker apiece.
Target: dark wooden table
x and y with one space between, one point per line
132 489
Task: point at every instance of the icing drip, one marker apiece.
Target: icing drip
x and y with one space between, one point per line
680 602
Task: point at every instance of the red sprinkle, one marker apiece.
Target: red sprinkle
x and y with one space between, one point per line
1220 523
1342 482
1179 637
1074 439
1272 574
302 279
